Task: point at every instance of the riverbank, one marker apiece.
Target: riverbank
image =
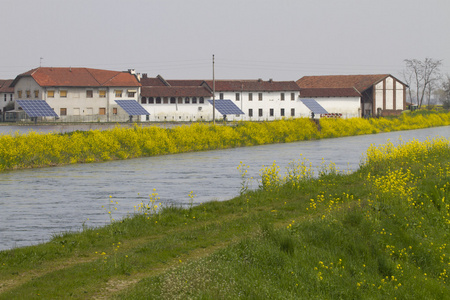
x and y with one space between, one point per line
40 150
380 232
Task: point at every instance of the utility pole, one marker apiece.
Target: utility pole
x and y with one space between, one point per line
214 94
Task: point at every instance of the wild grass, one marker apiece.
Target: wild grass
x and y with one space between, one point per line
40 150
381 232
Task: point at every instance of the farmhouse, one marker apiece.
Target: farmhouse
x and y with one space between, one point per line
79 94
6 95
356 95
183 100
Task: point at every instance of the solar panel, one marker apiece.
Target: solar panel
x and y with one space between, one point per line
132 107
227 107
315 107
37 108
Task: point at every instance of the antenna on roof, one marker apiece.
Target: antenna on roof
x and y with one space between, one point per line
40 61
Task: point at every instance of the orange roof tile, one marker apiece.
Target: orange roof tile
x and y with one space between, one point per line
360 82
5 86
80 77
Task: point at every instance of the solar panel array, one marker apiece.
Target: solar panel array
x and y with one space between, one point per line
227 107
315 107
132 107
37 108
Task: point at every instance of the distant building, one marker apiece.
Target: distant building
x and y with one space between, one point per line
356 95
6 95
186 100
79 94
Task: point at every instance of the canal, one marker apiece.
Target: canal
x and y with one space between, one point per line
38 203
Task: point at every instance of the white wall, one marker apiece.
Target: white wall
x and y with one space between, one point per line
78 106
349 107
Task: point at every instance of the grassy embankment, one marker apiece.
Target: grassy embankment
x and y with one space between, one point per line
40 150
381 232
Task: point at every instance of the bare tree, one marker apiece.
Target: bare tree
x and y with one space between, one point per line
420 76
445 95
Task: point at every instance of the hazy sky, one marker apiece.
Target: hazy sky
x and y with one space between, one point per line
279 39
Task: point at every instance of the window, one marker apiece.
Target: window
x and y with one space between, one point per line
63 93
250 97
4 97
180 100
201 100
89 93
194 100
51 94
186 100
237 96
271 112
114 110
250 112
102 94
28 93
63 111
19 94
293 112
282 112
260 96
173 100
36 94
102 111
282 96
166 100
118 93
131 93
151 100
221 96
143 100
293 96
260 112
158 100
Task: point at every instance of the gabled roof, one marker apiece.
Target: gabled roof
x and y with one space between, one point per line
5 86
253 85
358 82
221 85
175 91
80 77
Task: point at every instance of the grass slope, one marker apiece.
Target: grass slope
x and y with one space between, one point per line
381 232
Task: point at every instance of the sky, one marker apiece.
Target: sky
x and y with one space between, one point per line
250 39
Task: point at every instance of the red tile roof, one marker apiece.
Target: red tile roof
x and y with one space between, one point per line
174 91
360 82
329 92
5 86
80 77
253 86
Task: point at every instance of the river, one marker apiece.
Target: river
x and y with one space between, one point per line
38 203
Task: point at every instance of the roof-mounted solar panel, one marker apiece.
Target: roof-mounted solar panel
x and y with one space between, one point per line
313 106
132 107
36 108
226 107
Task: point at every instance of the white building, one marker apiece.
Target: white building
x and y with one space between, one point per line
356 95
187 100
6 95
79 94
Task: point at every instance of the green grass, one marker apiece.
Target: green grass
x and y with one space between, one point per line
333 237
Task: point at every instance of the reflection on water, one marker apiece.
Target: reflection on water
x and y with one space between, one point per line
36 203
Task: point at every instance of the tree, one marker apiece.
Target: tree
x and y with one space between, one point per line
421 76
445 95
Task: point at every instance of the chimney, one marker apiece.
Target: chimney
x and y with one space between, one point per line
144 75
